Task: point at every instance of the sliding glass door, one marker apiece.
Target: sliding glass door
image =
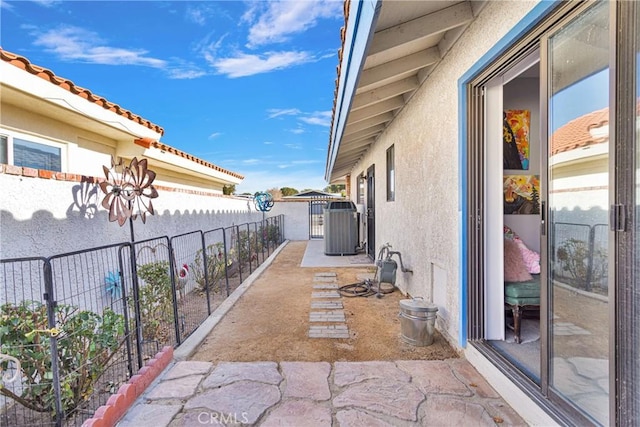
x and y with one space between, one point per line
579 196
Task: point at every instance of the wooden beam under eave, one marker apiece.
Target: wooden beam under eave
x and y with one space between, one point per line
355 146
422 27
383 93
372 121
377 76
363 134
349 161
377 108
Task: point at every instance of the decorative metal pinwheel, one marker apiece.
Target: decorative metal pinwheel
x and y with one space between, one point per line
128 190
263 202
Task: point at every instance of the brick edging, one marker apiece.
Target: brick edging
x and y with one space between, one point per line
118 404
74 177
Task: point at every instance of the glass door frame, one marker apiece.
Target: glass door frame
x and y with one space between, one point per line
546 295
624 402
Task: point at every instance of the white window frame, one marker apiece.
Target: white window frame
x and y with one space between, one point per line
391 173
11 135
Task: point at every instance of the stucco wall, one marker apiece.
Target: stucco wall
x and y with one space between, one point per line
423 221
43 217
296 218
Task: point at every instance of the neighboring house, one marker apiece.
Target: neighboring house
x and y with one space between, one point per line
55 138
313 194
418 137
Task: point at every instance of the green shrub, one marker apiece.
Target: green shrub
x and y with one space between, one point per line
156 309
86 342
215 266
573 256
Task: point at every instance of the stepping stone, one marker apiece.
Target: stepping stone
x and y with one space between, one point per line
324 279
327 316
331 331
325 275
325 286
327 304
325 294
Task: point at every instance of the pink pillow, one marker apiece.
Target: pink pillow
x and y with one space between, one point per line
515 269
531 258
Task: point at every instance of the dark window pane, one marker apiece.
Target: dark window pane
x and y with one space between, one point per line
38 156
3 149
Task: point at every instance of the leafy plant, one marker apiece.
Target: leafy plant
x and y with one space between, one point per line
574 254
215 266
86 342
272 234
155 300
245 247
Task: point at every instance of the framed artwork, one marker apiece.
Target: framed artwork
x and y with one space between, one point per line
515 138
521 194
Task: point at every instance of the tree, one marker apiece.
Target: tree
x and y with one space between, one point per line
335 188
288 191
275 193
229 189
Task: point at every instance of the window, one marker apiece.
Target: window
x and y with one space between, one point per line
30 152
360 189
3 150
391 175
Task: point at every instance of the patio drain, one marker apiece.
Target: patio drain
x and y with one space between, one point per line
331 322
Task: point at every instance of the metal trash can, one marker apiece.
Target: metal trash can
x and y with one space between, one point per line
417 321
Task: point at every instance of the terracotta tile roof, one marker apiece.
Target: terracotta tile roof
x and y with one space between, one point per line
343 36
48 75
148 143
577 133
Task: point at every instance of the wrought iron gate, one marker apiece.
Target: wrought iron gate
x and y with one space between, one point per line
316 218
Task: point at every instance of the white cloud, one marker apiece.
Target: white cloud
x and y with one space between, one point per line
320 118
251 161
297 131
215 135
197 15
244 64
276 112
280 19
76 44
183 74
6 6
46 3
268 143
305 162
71 43
294 146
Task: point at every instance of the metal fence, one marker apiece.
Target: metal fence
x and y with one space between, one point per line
579 256
82 323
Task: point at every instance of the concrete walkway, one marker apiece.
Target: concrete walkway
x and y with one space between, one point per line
309 394
300 394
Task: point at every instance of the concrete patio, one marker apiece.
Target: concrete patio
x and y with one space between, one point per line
318 393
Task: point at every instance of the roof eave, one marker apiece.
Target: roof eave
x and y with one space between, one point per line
360 27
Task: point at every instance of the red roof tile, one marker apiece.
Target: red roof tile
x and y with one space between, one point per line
48 75
577 133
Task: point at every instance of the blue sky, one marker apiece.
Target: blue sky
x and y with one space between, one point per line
245 85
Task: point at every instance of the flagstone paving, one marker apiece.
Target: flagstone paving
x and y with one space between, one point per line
402 393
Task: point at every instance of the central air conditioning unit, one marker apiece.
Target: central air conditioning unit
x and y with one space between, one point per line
340 228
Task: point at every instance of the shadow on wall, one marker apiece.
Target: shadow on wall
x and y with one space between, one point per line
44 235
86 198
87 225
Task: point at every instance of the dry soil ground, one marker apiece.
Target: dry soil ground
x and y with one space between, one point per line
271 321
